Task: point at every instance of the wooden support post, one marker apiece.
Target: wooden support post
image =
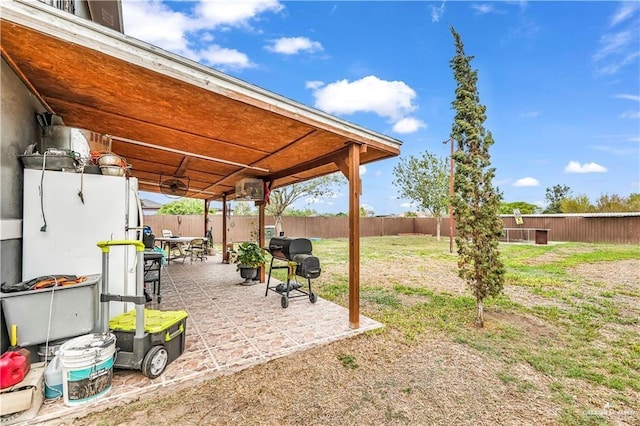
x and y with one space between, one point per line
225 259
354 235
206 216
261 206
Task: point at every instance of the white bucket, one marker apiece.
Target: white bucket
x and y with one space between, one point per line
87 367
53 379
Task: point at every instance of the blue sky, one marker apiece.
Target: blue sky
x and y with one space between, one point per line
560 80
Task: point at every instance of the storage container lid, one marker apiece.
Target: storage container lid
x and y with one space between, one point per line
154 321
87 344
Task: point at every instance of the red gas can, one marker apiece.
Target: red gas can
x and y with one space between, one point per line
14 366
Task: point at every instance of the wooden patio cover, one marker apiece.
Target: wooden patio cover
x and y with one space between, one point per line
169 116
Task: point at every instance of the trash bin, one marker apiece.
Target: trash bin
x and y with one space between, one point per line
541 236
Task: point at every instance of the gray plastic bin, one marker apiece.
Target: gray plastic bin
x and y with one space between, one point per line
74 311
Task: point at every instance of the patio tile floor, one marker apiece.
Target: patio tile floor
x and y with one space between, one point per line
230 327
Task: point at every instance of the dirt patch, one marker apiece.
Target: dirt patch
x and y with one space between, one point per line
534 328
425 383
544 259
621 275
524 297
418 272
556 255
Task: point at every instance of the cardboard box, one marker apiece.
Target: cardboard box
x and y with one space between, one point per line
26 396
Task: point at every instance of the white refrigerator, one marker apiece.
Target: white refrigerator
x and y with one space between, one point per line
61 228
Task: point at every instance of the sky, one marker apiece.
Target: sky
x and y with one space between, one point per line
560 80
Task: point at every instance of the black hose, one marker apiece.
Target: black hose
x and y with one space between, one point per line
43 228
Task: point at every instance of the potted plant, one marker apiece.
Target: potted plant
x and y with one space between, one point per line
249 258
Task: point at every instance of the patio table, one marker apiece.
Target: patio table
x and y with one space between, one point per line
170 243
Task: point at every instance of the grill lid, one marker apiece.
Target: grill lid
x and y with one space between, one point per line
285 248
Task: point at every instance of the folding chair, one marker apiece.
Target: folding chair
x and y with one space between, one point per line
197 249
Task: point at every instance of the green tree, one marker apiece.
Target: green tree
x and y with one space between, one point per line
425 181
184 206
301 213
244 208
577 204
281 198
554 196
525 208
364 212
476 202
634 202
613 203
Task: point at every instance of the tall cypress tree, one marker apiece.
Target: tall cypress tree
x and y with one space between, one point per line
476 202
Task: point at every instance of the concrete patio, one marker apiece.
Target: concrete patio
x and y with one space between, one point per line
230 327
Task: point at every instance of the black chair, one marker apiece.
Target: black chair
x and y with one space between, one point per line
152 267
149 241
152 274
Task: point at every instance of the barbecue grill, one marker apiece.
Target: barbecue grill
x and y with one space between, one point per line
297 252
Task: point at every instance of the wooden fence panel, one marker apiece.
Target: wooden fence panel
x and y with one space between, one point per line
614 229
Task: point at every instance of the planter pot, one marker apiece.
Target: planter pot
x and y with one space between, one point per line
248 273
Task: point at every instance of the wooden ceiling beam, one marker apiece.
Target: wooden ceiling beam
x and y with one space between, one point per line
327 159
184 166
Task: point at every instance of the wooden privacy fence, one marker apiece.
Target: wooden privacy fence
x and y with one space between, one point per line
591 229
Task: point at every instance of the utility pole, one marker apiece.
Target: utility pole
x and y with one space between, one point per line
450 141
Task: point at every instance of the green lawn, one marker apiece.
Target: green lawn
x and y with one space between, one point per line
582 331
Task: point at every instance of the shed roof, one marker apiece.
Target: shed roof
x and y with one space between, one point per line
170 116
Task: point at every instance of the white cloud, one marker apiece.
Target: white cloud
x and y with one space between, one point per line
527 181
616 65
408 125
617 48
363 170
613 43
155 23
522 4
630 114
615 151
629 97
293 45
530 114
634 139
313 84
409 205
576 167
378 173
626 10
437 12
391 99
234 13
482 9
224 58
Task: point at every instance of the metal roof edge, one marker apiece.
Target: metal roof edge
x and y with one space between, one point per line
47 19
611 214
